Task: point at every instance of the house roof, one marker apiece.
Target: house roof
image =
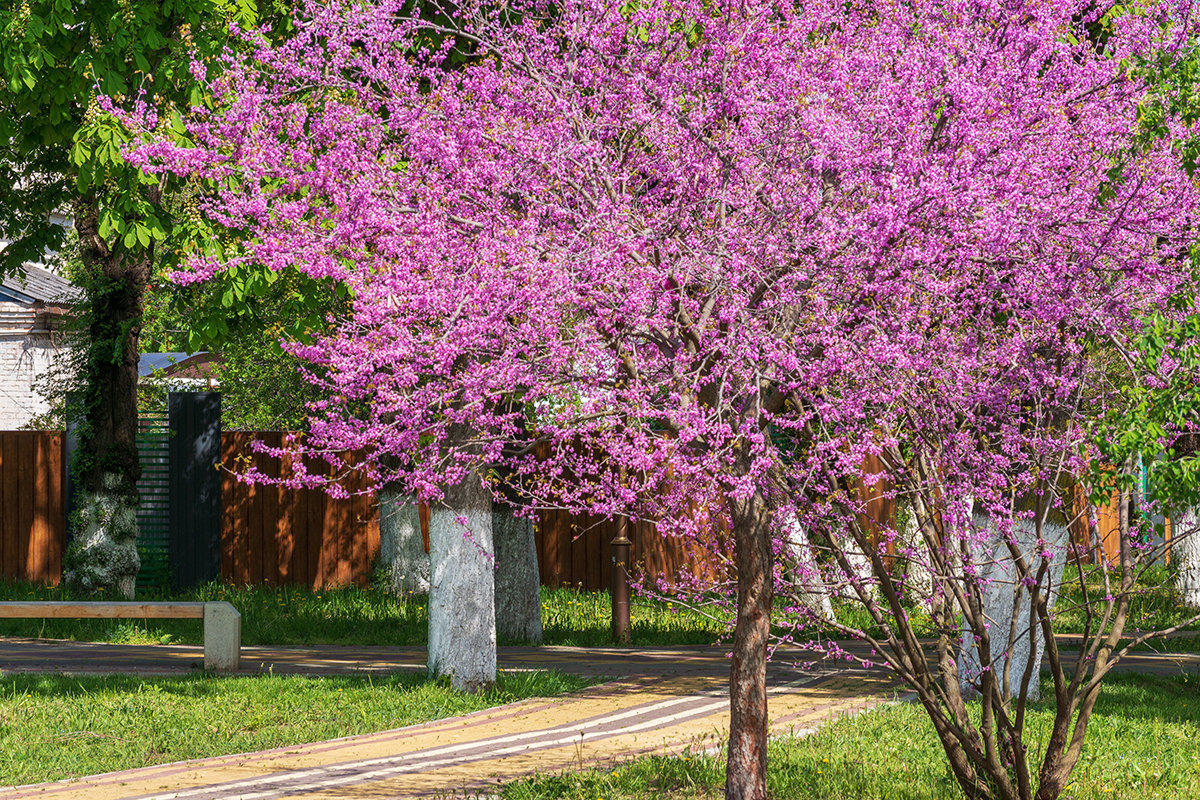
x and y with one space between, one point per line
174 363
38 285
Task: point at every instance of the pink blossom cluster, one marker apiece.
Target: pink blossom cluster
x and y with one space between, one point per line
639 258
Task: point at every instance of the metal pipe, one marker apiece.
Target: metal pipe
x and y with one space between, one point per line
621 550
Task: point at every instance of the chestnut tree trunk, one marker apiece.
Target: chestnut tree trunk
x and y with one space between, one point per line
103 552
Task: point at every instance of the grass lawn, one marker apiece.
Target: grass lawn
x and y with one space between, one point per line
1153 606
1141 743
352 616
54 727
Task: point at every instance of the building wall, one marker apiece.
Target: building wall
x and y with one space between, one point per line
27 349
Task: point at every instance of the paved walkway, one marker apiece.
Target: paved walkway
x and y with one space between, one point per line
665 700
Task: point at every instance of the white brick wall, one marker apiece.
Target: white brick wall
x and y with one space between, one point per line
25 352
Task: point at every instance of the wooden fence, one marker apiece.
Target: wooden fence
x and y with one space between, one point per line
281 536
32 509
575 551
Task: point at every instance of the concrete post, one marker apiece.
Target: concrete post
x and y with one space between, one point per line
222 637
518 583
402 547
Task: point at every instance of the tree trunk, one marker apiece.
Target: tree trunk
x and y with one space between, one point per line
1000 585
1185 549
918 575
103 554
462 614
811 591
746 769
401 546
860 574
518 583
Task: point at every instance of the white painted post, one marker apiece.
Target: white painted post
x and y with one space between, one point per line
518 583
1185 549
222 637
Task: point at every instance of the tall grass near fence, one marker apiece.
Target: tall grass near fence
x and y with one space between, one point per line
350 615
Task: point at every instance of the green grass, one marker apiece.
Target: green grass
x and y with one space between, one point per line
1153 606
584 619
1141 743
54 727
353 616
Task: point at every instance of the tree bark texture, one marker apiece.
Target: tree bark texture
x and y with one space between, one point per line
1185 549
746 768
811 591
1005 598
518 583
401 546
462 614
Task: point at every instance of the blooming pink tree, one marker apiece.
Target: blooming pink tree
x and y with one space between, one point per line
724 251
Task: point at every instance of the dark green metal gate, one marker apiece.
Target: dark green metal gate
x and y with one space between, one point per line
153 512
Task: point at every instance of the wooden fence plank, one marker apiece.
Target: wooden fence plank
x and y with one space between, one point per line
25 501
56 507
340 532
256 555
553 537
229 506
605 556
597 538
579 533
38 553
10 491
314 523
271 518
301 576
369 510
284 533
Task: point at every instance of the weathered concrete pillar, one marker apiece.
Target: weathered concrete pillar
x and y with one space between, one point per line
222 637
401 546
462 612
861 573
1000 585
518 583
1185 551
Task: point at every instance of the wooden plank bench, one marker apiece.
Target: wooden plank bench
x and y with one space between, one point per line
222 622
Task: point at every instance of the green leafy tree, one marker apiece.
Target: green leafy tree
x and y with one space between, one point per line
1157 421
246 317
62 154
